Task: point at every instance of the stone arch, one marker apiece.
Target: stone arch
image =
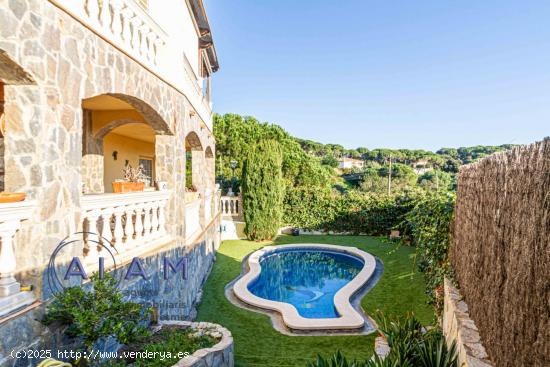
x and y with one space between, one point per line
193 142
153 118
100 134
11 75
108 113
208 153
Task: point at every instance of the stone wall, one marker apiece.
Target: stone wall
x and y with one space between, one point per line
176 300
458 327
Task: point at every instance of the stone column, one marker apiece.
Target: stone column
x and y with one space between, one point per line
92 157
165 170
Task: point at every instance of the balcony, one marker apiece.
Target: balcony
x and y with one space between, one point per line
132 222
126 25
11 216
231 207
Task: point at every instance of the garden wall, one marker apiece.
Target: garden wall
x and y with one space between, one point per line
175 299
501 252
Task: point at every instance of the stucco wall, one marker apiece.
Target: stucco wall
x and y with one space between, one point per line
127 149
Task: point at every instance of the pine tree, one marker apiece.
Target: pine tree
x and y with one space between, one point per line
263 190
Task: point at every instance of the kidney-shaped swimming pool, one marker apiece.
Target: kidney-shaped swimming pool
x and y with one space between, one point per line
307 279
309 284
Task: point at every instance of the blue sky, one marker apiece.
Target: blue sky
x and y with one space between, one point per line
395 74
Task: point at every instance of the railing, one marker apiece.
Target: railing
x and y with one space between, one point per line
11 216
130 28
127 221
231 206
123 21
192 219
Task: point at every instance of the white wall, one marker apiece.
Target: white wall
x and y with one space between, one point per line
177 22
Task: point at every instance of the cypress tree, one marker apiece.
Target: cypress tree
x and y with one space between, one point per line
263 190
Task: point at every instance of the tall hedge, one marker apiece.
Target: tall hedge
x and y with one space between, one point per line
263 190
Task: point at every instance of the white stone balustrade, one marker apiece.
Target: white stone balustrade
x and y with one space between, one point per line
128 221
217 200
192 219
11 216
231 206
130 28
208 207
124 22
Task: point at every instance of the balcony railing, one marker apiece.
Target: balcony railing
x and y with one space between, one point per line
231 207
11 216
130 28
192 219
131 222
124 22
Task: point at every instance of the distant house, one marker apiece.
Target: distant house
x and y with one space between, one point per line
350 163
421 167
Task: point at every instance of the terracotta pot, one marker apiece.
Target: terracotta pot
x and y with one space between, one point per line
122 186
12 197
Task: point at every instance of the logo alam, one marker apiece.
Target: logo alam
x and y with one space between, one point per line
76 269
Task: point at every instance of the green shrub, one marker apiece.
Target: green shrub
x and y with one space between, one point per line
433 352
410 346
355 212
263 190
428 224
337 360
98 313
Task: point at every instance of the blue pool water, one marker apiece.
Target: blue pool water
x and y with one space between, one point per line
307 279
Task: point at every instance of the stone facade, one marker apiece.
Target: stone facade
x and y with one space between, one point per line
460 328
49 64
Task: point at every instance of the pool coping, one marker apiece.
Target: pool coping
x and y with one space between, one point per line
350 319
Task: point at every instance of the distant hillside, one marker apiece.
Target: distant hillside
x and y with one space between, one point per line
447 159
311 164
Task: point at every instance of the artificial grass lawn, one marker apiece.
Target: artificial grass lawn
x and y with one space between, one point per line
399 291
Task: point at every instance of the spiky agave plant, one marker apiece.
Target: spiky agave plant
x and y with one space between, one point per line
337 360
389 361
433 352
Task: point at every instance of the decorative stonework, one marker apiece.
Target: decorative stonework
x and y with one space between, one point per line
460 328
219 355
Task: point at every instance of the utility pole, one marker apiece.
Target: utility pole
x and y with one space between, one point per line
389 178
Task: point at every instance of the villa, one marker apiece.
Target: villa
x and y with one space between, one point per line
89 89
108 166
349 163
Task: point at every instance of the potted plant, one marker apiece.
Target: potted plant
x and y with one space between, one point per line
191 193
134 180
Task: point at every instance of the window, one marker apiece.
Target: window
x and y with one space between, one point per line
147 166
